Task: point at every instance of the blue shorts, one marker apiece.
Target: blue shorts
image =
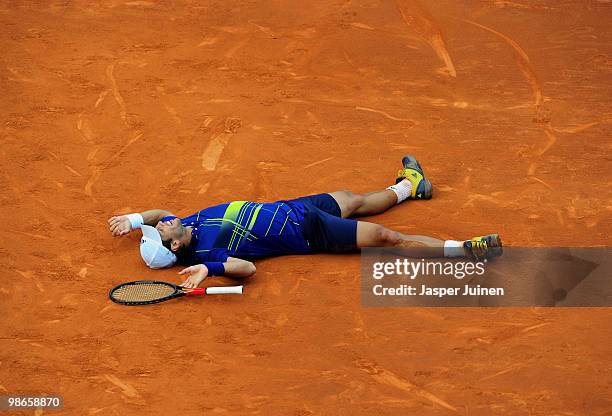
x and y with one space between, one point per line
324 228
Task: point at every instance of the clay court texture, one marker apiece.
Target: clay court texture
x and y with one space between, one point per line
120 106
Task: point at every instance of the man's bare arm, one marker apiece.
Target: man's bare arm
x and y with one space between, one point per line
153 216
238 268
234 268
120 224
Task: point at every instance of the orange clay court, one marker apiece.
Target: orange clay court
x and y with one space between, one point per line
120 106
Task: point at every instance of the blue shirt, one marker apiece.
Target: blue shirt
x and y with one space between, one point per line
245 229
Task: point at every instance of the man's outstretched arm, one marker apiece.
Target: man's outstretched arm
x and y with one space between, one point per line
238 268
233 267
121 225
153 216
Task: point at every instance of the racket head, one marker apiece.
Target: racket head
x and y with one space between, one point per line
144 292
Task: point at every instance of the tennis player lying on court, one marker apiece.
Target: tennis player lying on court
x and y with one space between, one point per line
219 241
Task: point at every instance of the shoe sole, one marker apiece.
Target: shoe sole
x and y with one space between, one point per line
496 246
427 188
410 162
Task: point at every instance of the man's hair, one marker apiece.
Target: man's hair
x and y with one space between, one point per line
183 254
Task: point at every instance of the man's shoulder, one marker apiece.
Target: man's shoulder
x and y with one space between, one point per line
205 213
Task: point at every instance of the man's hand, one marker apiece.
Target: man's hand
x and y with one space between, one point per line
119 225
198 274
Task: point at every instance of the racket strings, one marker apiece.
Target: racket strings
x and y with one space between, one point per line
143 292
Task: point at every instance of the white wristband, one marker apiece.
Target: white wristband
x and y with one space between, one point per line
136 220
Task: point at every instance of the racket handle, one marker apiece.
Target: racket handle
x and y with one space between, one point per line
220 290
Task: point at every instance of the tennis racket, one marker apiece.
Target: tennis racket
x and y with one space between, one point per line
146 292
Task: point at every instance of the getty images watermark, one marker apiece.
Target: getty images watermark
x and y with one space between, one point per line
520 277
412 269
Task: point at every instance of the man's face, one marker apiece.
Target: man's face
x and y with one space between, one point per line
171 230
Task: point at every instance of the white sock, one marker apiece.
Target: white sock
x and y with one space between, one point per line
453 248
402 190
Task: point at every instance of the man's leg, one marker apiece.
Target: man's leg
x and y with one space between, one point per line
410 183
371 203
327 231
375 235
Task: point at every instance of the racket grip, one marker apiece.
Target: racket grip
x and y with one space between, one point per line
220 290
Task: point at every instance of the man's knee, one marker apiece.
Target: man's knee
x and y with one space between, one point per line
348 201
385 237
355 201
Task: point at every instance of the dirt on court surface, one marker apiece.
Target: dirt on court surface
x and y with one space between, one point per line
119 106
